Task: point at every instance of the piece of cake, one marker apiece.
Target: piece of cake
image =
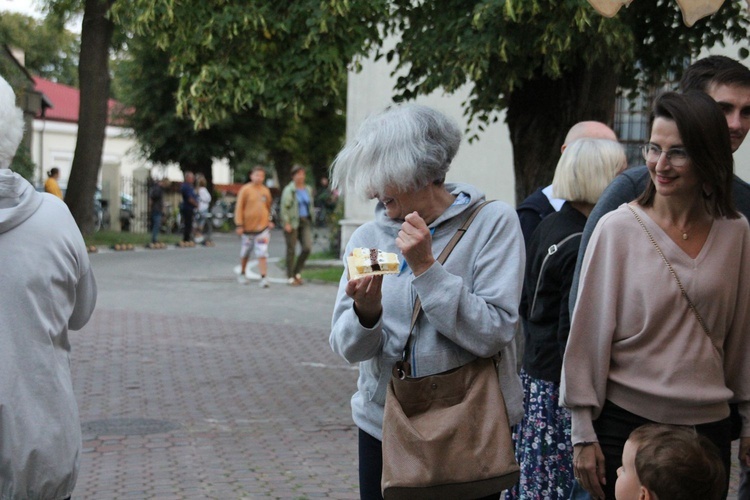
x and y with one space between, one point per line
371 261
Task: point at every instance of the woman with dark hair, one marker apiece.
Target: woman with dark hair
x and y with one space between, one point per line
659 333
50 185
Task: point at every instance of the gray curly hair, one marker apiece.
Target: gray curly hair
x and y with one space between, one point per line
11 124
405 147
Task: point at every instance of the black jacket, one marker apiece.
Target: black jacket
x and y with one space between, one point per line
548 324
531 212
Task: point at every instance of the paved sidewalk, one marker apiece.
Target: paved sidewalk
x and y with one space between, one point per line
193 386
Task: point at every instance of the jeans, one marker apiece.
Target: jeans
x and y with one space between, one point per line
155 225
187 218
303 234
743 491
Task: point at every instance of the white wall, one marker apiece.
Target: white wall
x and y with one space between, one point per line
53 145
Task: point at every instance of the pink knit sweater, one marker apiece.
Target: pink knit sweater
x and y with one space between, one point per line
633 339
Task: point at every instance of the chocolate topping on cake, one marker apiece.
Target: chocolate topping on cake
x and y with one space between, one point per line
374 259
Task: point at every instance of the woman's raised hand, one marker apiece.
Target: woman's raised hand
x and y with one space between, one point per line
415 242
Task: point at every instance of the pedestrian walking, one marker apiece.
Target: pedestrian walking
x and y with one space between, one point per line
252 215
296 216
188 206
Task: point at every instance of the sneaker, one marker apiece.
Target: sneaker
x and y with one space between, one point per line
263 283
242 279
298 280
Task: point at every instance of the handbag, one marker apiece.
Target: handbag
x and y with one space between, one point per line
734 415
446 436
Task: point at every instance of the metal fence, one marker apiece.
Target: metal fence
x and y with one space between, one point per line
134 209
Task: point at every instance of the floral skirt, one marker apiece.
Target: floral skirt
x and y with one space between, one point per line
543 447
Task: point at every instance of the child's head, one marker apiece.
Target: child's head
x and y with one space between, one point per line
662 462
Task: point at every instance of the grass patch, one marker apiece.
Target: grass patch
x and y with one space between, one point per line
328 274
109 238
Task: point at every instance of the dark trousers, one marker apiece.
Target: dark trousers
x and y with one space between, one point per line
187 218
303 235
615 424
371 468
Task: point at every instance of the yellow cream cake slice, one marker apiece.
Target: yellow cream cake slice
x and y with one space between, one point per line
370 261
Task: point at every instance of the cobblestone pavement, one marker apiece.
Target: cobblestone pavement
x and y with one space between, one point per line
193 386
177 407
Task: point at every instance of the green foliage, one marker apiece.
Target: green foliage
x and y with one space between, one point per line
498 46
273 58
147 91
311 136
50 50
22 164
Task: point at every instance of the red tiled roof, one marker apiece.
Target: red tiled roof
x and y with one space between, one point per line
65 101
229 188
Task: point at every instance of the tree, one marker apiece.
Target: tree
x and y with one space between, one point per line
93 70
309 134
50 50
549 63
273 57
148 95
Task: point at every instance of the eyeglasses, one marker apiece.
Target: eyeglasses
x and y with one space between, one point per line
676 157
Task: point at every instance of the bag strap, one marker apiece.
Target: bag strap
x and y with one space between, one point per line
550 251
674 274
441 259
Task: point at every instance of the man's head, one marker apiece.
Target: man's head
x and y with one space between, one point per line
663 462
189 177
728 83
11 124
258 176
588 130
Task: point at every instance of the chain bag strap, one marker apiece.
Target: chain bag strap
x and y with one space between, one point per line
674 274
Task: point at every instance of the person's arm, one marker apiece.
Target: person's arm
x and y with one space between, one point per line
239 210
352 338
594 321
481 317
737 343
566 268
588 352
623 189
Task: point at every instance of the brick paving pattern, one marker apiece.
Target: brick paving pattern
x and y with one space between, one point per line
261 411
191 386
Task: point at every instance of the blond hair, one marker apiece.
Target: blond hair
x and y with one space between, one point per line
586 168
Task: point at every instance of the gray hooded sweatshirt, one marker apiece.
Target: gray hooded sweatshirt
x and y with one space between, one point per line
46 288
470 305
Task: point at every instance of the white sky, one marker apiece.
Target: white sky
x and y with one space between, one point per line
28 7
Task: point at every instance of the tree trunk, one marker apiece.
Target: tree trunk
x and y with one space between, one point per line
541 113
282 160
93 71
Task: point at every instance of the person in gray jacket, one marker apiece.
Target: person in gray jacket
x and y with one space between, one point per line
47 289
470 304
